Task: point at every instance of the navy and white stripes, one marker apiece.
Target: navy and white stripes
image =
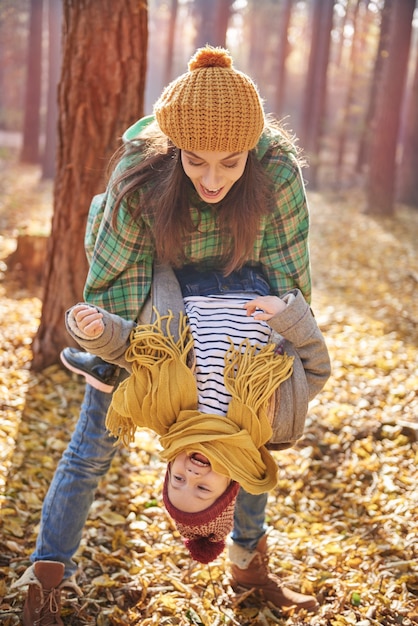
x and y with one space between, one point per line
214 321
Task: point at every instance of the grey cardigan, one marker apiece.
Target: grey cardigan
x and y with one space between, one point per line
296 324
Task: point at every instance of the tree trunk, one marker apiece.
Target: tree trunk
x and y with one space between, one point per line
354 64
364 145
54 64
316 84
211 22
169 56
205 22
254 28
261 32
101 92
282 53
223 13
382 174
31 124
408 179
27 263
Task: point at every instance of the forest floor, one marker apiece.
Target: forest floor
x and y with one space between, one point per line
344 515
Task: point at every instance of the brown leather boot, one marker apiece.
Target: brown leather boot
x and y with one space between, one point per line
254 574
43 600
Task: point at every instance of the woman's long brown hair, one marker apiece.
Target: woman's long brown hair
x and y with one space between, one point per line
156 187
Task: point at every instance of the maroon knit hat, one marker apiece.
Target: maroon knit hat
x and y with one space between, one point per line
204 532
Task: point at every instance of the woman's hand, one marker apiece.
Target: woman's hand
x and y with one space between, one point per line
88 319
265 307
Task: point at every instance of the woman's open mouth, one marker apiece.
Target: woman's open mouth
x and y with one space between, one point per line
210 193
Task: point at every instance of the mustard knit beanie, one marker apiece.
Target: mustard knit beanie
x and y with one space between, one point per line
211 107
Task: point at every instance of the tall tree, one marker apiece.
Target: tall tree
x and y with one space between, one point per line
354 66
259 18
14 19
283 48
169 52
32 117
211 22
54 64
382 173
101 92
223 13
313 113
382 51
408 179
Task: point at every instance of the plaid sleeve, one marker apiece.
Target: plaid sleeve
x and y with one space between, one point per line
121 259
94 219
285 252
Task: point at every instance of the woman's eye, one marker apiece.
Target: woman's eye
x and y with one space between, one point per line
230 166
178 478
205 489
194 164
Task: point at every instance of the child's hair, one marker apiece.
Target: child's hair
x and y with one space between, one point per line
204 533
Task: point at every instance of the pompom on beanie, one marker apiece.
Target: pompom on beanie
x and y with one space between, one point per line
204 533
212 106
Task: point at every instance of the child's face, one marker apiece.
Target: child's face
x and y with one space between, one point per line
193 486
213 173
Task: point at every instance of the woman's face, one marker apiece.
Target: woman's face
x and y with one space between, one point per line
192 485
213 173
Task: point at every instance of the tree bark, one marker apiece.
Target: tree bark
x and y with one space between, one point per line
205 22
382 174
211 22
101 92
282 54
316 85
223 14
364 144
169 54
354 64
408 179
32 116
54 64
27 262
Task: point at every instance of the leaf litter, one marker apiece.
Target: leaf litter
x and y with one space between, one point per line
343 518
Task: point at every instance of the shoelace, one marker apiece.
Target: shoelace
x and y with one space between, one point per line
265 576
49 608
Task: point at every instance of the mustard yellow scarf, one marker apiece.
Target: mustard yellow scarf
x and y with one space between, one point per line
161 394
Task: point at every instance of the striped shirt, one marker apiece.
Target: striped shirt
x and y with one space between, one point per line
215 321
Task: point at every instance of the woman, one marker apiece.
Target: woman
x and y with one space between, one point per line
209 183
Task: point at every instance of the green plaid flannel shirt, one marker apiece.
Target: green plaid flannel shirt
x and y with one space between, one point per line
121 258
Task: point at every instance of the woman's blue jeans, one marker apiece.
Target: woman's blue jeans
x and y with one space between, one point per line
71 493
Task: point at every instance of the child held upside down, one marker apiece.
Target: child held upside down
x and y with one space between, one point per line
209 388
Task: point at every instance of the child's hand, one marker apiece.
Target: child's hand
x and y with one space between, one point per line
269 305
88 319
